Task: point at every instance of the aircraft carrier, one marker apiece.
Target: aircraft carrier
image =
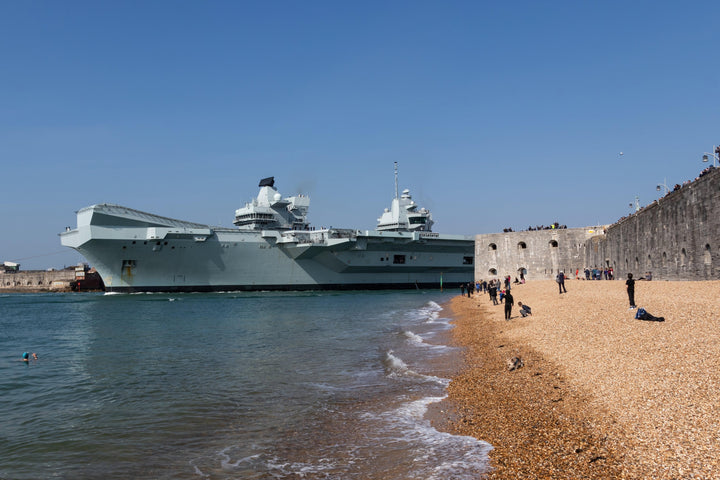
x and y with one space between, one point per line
271 247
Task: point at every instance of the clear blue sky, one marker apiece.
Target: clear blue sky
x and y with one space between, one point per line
500 114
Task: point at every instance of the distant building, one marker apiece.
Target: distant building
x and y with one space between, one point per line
11 267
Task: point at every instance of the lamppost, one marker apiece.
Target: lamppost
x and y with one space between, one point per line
664 185
715 156
636 205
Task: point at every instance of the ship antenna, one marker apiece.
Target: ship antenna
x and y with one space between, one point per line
396 182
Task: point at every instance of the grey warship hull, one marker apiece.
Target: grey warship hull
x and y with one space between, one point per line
136 251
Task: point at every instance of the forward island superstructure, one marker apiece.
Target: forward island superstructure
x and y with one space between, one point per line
272 247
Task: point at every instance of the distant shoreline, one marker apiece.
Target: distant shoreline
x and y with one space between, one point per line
601 394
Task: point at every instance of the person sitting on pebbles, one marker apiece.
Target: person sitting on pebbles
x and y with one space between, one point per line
524 309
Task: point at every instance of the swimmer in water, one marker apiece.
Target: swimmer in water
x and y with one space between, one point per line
34 355
26 357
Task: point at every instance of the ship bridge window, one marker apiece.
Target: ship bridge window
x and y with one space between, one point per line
467 260
418 220
399 259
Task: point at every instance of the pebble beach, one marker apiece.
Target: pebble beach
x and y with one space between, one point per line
599 394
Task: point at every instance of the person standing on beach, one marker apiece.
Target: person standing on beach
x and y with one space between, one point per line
560 279
492 291
631 290
508 305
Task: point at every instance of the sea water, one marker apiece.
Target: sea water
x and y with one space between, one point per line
228 386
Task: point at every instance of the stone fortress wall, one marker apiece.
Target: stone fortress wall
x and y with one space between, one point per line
36 280
538 254
676 238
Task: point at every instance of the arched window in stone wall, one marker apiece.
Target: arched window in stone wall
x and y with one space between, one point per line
707 257
492 246
522 245
492 271
683 257
649 262
553 243
627 264
637 263
39 282
664 259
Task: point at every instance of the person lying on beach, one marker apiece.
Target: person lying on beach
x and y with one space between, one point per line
524 309
643 314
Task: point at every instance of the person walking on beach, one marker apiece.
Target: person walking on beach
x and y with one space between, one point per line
508 305
560 279
631 290
492 291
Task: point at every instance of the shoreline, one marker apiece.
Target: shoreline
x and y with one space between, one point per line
601 394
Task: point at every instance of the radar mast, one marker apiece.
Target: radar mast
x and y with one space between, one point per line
396 182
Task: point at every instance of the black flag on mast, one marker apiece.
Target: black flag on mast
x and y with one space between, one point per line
267 182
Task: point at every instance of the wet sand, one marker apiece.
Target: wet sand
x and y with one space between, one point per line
601 394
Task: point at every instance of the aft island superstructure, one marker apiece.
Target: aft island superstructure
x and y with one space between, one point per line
272 247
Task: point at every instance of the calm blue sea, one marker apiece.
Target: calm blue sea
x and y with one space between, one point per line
228 386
